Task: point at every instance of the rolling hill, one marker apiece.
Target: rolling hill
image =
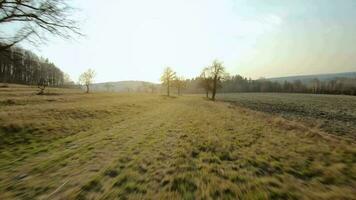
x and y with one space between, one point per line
125 86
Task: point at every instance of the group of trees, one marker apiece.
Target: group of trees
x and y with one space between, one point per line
237 83
24 67
170 79
32 21
21 66
214 78
210 79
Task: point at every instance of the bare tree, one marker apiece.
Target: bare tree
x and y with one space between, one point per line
167 78
31 20
87 78
179 83
217 72
205 81
42 84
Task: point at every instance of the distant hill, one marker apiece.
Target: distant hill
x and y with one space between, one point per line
308 78
124 86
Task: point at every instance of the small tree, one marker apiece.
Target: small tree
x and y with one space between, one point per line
205 81
217 72
42 84
87 78
180 84
167 78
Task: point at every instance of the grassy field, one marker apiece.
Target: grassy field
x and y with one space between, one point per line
70 145
335 114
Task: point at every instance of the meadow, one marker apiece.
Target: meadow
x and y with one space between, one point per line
71 145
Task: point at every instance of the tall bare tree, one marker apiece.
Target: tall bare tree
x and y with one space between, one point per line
167 78
205 81
87 78
217 72
32 20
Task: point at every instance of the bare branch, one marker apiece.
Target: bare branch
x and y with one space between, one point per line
35 19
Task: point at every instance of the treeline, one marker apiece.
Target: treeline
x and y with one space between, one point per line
334 86
214 79
237 83
21 66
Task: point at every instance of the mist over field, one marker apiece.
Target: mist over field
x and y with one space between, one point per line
159 99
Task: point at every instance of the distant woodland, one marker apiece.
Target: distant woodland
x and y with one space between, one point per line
237 83
21 66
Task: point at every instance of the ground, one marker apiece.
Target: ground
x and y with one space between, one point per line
70 145
334 114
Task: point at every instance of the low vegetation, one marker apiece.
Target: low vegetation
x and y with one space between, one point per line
334 114
71 145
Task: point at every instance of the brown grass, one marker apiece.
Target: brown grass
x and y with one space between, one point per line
127 146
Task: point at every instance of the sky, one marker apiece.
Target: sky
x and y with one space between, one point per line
137 39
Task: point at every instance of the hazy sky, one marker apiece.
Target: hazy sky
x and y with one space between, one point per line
136 39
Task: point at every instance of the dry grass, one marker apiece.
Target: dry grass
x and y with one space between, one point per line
108 146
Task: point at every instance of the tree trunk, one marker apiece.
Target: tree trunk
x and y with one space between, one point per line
207 93
41 92
87 89
168 88
214 88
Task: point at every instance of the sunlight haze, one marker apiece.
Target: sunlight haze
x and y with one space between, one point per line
177 99
135 40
